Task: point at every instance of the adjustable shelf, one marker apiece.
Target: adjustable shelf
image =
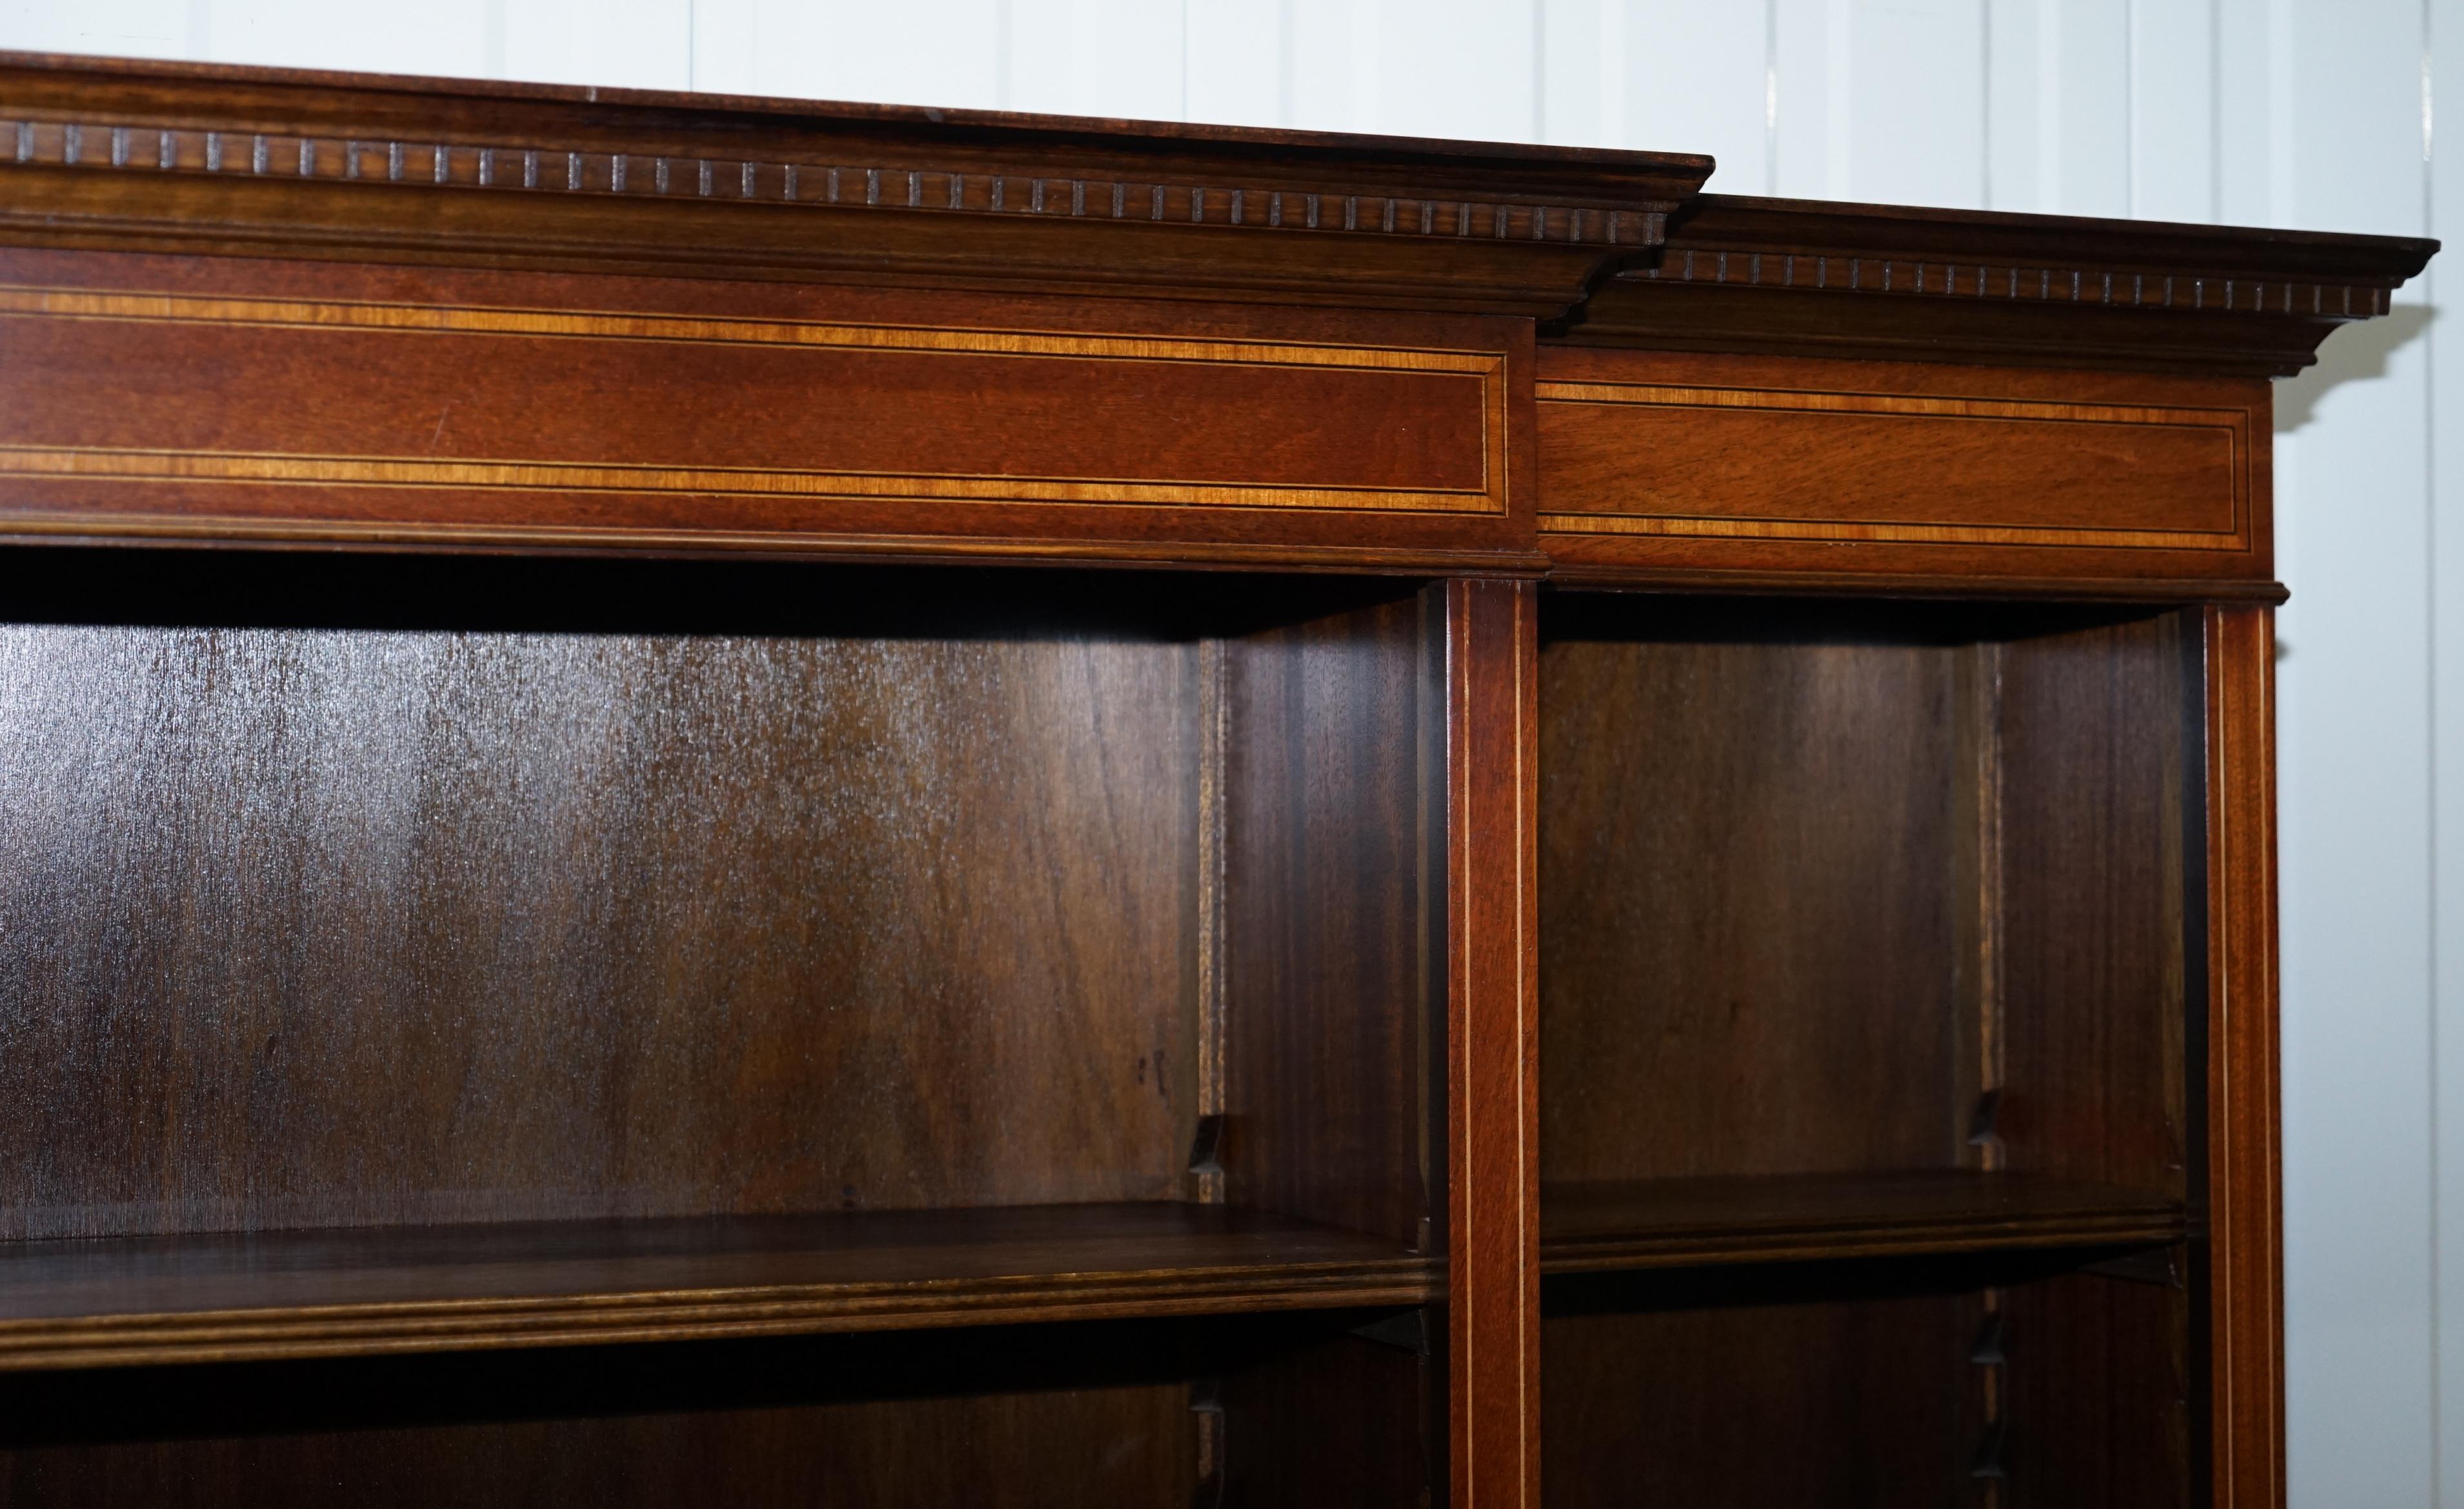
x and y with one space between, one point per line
1607 1225
333 1293
1839 905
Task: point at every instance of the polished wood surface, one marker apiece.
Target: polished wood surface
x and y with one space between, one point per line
1802 278
1330 775
689 836
2243 1137
433 1288
413 937
1816 881
2098 871
1748 925
376 406
1615 1225
1658 465
1493 1023
1761 462
318 928
264 161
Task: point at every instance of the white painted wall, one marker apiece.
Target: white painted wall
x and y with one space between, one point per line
2308 112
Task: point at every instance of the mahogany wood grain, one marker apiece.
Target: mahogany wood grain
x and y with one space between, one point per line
1798 278
2245 1261
267 162
1492 1043
1748 917
312 928
2098 1392
1614 1225
2098 733
1991 1381
372 891
1665 462
1332 967
380 406
570 892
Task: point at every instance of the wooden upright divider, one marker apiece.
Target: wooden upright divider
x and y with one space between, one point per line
1625 852
2245 1145
1493 1048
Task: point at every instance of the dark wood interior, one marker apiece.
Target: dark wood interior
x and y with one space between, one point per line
576 927
1865 933
1832 889
1956 1382
1159 1412
604 913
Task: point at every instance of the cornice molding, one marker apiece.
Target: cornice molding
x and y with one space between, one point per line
1605 248
1760 274
250 161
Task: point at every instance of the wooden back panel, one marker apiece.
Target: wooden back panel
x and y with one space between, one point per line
2099 815
1817 880
1748 914
1259 1411
1959 1383
320 925
1330 963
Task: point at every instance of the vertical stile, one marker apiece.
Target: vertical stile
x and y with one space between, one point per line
2245 1232
1492 1032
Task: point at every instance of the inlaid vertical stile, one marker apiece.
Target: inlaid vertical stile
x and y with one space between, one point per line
2246 1280
1493 1034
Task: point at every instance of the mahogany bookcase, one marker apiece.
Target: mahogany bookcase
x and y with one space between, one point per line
1622 854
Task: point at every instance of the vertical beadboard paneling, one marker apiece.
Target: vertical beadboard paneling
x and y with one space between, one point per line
1459 68
1336 53
1038 66
950 52
2353 531
439 37
127 29
1240 61
2446 565
1813 79
1682 78
634 44
2083 79
2061 105
1096 57
2173 100
1582 77
2018 106
1916 102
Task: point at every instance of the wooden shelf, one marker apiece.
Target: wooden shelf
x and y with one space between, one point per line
330 1293
1660 1223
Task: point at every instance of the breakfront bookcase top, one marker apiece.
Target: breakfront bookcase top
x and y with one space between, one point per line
1623 855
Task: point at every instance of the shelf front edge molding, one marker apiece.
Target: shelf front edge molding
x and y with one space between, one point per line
284 163
479 1324
1811 278
1692 1223
221 1297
